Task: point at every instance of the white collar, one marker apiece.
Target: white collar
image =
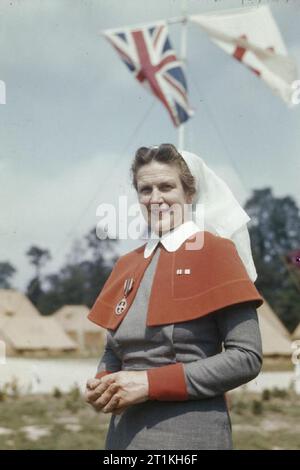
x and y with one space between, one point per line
173 239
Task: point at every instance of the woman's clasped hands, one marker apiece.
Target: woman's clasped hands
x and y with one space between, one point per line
114 392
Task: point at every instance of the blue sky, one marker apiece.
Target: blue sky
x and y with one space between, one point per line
74 117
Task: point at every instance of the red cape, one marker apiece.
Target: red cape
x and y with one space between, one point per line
217 279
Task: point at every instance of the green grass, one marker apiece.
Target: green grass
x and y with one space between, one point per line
56 416
266 421
260 421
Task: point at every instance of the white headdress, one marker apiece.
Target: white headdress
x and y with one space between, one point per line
223 215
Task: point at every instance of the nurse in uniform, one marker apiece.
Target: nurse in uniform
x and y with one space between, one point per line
180 312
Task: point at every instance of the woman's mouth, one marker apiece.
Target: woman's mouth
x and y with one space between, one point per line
160 210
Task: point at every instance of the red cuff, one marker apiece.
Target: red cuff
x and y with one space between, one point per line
101 374
167 383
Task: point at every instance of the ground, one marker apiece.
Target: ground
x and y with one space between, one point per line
270 420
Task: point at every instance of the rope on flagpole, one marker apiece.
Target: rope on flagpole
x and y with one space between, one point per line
183 56
107 180
221 138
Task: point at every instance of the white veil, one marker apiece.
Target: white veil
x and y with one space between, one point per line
223 215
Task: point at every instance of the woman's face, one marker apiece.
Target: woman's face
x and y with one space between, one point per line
161 196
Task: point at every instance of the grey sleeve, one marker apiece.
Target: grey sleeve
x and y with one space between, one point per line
109 360
238 363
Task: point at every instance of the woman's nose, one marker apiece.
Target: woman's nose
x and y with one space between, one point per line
156 196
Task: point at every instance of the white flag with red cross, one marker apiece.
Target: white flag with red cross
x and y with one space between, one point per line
251 36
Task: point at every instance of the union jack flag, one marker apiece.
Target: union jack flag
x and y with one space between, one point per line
148 54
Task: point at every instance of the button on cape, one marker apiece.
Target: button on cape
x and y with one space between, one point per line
217 278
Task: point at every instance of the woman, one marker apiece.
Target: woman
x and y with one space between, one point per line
180 312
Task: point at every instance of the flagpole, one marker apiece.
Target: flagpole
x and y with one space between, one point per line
183 53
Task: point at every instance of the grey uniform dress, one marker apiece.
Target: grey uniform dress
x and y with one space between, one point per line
202 421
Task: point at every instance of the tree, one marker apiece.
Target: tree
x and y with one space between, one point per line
274 231
80 280
38 258
7 270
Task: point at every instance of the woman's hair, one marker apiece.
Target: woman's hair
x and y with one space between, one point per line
168 154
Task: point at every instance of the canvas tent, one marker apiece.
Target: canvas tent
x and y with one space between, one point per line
14 303
24 329
74 321
34 334
296 333
276 339
271 316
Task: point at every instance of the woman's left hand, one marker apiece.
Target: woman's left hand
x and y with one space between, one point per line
130 387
